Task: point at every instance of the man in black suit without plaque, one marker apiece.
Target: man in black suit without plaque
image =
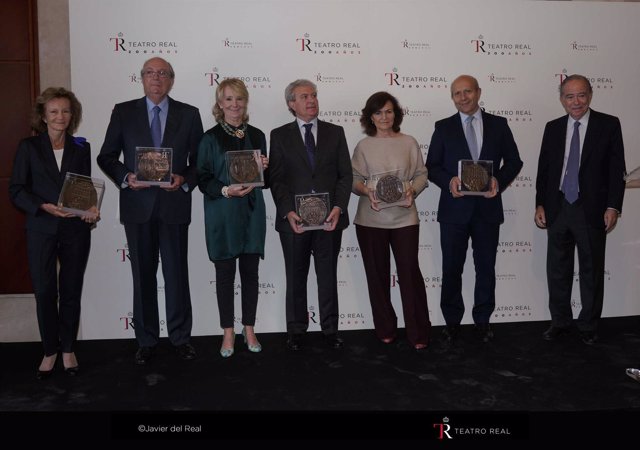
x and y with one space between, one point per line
156 219
306 156
578 202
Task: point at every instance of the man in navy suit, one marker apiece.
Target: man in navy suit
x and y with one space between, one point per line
306 156
156 219
463 216
578 214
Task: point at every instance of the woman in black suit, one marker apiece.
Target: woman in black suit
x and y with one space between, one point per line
54 237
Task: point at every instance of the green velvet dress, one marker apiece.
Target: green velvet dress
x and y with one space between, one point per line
237 225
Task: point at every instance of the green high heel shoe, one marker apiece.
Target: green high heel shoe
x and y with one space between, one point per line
227 352
252 348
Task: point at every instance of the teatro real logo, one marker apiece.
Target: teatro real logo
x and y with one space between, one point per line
122 45
328 79
306 45
252 81
500 79
416 112
522 115
598 81
582 47
523 181
233 44
396 78
406 44
340 115
515 247
483 46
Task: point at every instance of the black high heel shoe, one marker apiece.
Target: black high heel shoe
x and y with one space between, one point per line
72 371
44 374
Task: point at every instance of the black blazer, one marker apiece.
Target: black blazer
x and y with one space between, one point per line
449 145
36 180
129 128
291 172
601 173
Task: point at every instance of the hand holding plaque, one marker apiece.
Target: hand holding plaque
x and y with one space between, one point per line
313 209
632 179
81 195
244 168
153 166
475 176
389 189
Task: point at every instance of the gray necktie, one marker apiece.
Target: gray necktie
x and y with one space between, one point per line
570 182
156 131
472 142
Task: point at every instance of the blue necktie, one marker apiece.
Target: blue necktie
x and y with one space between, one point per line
570 182
156 131
310 144
470 134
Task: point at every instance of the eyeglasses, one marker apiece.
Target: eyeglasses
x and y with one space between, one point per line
152 73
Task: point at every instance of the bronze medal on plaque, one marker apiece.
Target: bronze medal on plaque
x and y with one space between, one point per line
389 189
243 168
475 176
153 165
81 195
313 210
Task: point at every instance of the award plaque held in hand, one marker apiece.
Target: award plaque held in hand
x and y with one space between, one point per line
475 176
313 209
389 188
81 195
153 166
244 168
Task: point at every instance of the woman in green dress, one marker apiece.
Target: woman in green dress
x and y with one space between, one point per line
235 218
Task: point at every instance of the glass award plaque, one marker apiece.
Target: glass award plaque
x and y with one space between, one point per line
389 188
81 195
632 179
244 168
475 176
313 209
153 166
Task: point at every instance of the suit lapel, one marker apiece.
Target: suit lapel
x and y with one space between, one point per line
593 129
322 137
172 125
459 136
49 159
67 156
142 117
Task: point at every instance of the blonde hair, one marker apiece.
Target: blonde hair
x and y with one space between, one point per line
237 86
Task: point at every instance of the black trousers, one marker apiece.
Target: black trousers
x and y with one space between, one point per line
568 231
297 249
225 288
58 294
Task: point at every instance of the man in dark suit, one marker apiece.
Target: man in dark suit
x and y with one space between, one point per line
579 192
307 156
470 134
156 220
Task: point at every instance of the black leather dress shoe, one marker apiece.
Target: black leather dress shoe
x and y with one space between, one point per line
485 333
553 333
589 337
186 352
144 355
293 342
450 333
333 341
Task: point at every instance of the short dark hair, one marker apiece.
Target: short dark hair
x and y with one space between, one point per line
37 115
375 103
575 77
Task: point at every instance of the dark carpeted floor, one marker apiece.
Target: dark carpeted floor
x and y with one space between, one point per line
518 376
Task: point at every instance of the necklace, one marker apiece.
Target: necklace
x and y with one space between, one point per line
239 132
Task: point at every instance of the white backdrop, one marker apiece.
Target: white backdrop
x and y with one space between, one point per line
519 51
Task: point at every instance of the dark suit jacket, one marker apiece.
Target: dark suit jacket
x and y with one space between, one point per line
601 167
449 145
36 180
291 172
129 128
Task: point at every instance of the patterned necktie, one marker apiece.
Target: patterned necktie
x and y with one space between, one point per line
570 182
310 144
470 134
156 131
